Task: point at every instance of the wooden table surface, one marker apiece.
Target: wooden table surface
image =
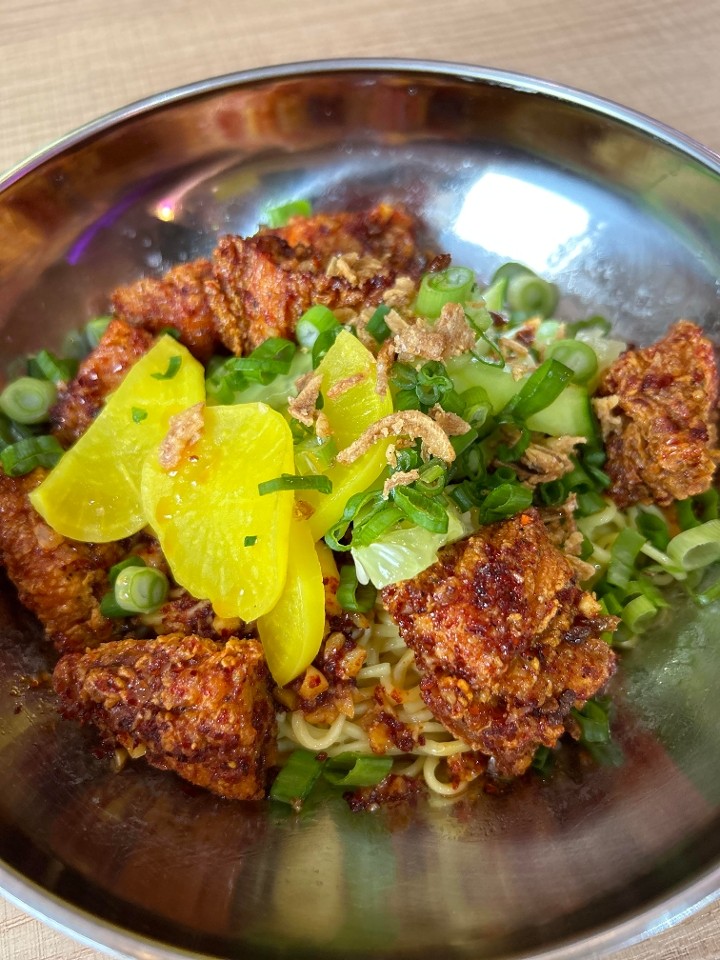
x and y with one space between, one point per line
64 62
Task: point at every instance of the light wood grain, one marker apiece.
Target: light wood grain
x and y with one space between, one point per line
64 62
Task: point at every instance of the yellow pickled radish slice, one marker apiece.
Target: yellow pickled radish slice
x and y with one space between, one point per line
93 494
224 542
292 632
350 414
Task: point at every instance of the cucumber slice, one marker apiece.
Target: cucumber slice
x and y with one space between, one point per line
570 415
466 372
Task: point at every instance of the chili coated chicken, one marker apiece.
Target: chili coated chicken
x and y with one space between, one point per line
658 409
505 640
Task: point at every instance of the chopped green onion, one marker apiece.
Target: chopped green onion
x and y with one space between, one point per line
595 323
506 271
376 325
509 454
138 414
427 512
356 770
531 294
589 502
52 368
695 548
548 333
452 285
653 528
432 383
323 343
297 778
494 294
271 359
553 493
579 356
355 504
132 561
28 400
351 596
289 481
314 454
173 366
432 479
594 722
141 589
462 442
541 758
312 323
250 541
280 215
375 522
94 330
623 556
504 501
540 389
170 332
110 608
31 452
638 613
477 406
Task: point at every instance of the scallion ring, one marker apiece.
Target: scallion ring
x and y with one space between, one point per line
140 589
452 285
579 356
697 547
28 400
312 323
531 294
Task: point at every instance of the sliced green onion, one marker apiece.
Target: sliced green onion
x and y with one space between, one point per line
50 367
250 541
132 561
28 400
506 271
138 414
297 778
461 443
653 528
314 454
427 512
353 507
553 493
695 548
623 555
589 502
141 589
638 613
356 770
594 722
351 596
432 383
509 454
540 389
696 510
170 332
579 356
547 334
376 325
452 285
375 522
312 323
432 479
323 343
110 608
531 294
27 454
290 481
595 323
477 406
280 215
494 294
541 759
504 501
271 359
94 330
173 367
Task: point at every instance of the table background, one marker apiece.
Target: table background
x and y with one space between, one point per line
64 62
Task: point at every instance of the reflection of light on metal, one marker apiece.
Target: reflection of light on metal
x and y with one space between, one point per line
519 220
165 211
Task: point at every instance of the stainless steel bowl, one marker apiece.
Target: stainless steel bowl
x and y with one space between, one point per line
625 214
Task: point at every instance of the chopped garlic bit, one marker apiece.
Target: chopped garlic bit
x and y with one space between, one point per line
185 430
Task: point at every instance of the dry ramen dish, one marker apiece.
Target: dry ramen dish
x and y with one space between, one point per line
326 506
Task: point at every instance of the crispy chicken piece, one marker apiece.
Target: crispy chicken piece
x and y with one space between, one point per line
177 300
191 705
80 401
505 640
661 432
61 581
263 284
384 233
183 614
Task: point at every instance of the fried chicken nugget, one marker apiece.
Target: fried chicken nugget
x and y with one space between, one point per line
660 422
505 640
201 709
61 581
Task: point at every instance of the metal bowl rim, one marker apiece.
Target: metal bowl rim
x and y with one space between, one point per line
100 934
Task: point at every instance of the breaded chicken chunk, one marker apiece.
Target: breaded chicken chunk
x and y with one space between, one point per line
101 372
177 299
505 640
190 705
61 581
263 284
659 418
